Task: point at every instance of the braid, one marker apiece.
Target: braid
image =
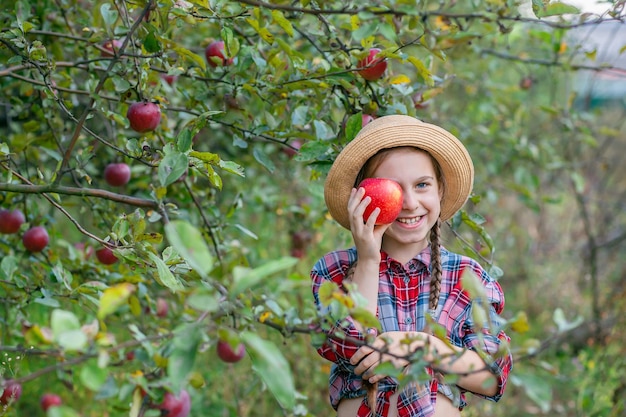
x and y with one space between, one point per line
435 265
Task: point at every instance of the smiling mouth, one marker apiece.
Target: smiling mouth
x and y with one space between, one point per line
411 220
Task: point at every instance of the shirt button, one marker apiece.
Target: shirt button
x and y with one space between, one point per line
408 320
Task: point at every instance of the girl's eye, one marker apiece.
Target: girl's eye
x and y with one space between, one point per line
421 185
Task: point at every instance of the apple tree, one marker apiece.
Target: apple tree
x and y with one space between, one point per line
161 170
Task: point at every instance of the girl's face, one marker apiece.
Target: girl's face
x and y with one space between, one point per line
413 169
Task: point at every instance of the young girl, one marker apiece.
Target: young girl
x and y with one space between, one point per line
406 275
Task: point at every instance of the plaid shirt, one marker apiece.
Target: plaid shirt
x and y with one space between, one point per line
403 293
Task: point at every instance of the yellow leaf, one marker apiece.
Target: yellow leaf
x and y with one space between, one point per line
355 22
520 323
113 298
279 18
400 79
422 71
263 32
264 316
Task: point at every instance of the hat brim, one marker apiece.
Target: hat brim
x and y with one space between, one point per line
391 132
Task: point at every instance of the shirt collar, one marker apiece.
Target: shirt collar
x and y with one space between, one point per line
419 261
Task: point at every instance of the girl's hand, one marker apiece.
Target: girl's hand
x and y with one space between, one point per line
397 345
367 236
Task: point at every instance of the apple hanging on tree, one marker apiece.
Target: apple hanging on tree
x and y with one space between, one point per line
144 116
117 174
35 239
11 221
385 194
111 48
106 256
12 392
50 400
228 354
176 406
373 66
214 54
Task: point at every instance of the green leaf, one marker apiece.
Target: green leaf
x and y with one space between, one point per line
181 362
184 140
66 330
189 242
422 71
166 277
172 167
244 278
8 266
537 388
262 158
270 364
365 317
557 9
353 126
92 376
62 411
109 15
151 43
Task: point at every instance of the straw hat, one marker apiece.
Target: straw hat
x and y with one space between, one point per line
394 131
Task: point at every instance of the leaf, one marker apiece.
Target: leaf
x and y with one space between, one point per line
186 340
284 23
166 277
326 291
92 376
537 388
244 278
184 52
422 71
66 330
108 15
519 324
270 364
353 126
172 167
113 298
400 79
263 159
562 323
365 317
557 9
263 32
190 244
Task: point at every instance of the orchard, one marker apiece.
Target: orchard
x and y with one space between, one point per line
161 194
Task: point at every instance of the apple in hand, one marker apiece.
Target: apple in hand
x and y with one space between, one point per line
226 352
117 174
373 66
35 239
12 392
50 400
106 256
11 221
214 54
144 116
385 194
176 406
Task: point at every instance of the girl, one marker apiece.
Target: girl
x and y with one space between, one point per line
406 275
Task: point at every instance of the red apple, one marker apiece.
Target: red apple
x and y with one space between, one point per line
526 83
226 352
50 400
161 307
117 174
176 406
385 194
111 48
292 148
11 221
106 256
144 116
366 118
12 392
170 79
35 239
373 67
214 54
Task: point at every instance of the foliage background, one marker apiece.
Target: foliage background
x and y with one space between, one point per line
547 215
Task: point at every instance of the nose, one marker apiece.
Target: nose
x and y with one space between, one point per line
410 200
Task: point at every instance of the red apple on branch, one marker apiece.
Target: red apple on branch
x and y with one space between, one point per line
12 392
176 406
214 54
227 353
111 48
106 256
373 66
11 221
144 116
117 174
50 400
162 308
385 194
35 239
